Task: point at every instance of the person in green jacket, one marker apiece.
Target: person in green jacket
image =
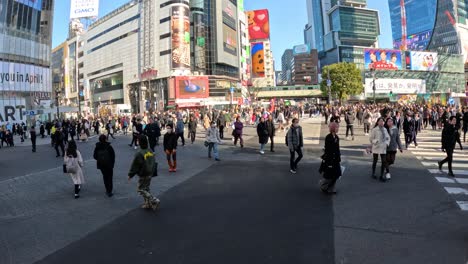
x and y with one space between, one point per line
143 165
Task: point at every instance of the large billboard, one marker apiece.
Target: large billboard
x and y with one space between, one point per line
418 41
188 87
396 86
258 60
259 24
421 61
84 8
180 34
382 59
227 32
36 4
199 32
23 77
229 40
301 49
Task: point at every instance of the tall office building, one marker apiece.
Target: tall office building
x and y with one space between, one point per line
25 58
286 65
440 26
341 29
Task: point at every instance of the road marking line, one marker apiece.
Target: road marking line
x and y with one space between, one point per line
462 180
456 190
457 165
35 173
463 205
456 172
444 180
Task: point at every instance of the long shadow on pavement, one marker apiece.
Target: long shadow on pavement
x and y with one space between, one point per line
231 213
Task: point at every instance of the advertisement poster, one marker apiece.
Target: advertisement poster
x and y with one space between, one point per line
396 86
23 77
259 24
301 49
36 4
382 59
229 40
229 13
421 61
180 33
406 98
188 87
84 8
258 60
200 41
418 41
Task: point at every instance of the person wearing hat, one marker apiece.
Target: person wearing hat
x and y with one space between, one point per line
170 148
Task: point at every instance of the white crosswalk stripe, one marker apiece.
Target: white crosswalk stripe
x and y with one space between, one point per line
429 152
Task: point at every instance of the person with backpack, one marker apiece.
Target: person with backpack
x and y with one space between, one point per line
110 130
105 158
73 162
349 119
144 165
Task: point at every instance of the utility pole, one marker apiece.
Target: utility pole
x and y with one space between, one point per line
373 82
329 83
77 77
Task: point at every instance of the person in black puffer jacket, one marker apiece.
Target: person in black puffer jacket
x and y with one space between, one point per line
105 156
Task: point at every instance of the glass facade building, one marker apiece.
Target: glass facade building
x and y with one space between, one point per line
341 29
25 58
420 20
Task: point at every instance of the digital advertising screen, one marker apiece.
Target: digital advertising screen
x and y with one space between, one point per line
258 60
229 40
180 33
382 59
188 87
258 24
421 61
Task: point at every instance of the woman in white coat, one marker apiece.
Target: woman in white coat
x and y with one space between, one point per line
380 140
73 166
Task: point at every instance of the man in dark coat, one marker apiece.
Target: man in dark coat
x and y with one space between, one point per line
448 144
33 138
262 134
409 128
105 156
153 132
330 167
192 128
270 126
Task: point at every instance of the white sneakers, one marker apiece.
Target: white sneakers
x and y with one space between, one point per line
293 171
262 152
388 176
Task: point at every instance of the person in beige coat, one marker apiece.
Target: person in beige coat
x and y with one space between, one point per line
380 140
73 157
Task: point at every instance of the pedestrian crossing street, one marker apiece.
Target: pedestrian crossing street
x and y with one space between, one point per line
429 153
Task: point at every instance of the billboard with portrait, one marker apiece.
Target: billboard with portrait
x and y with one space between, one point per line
382 59
258 24
84 8
36 4
188 87
421 61
258 60
180 37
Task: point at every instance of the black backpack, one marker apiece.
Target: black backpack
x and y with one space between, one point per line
103 157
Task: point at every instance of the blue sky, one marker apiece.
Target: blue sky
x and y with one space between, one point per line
287 21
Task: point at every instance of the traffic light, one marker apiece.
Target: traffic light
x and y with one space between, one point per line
391 93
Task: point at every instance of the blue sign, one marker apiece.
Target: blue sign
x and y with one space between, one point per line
36 4
232 89
451 101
